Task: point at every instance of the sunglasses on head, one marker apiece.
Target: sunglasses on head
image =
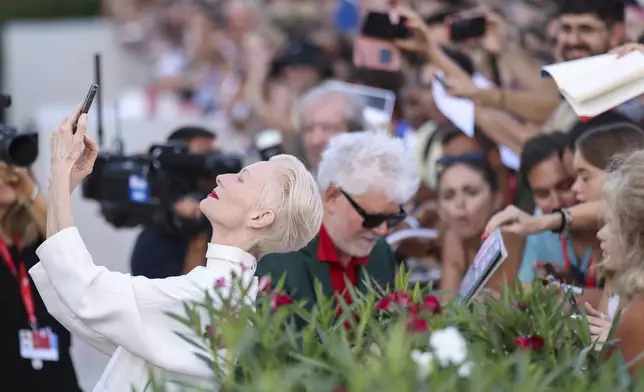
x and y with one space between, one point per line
371 221
446 161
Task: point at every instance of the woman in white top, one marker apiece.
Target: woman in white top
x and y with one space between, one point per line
270 206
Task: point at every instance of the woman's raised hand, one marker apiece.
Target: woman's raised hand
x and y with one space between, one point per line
72 154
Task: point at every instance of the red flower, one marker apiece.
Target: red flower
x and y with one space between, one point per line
401 298
417 324
529 343
432 304
280 300
384 304
221 282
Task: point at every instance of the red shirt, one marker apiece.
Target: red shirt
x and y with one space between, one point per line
328 254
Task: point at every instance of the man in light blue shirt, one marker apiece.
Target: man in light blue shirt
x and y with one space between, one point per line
551 184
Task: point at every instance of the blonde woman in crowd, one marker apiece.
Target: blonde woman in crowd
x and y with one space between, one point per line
622 241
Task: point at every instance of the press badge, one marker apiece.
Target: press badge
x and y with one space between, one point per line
39 345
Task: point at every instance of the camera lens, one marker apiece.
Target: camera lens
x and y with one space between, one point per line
22 150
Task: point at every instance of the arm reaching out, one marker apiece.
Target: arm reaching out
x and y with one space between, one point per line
112 309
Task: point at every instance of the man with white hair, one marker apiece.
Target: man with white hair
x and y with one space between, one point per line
364 178
324 112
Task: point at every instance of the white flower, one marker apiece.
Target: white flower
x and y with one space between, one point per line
465 369
449 346
423 361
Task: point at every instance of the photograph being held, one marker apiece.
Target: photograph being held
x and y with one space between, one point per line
270 206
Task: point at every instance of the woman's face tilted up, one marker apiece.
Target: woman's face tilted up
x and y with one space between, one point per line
233 204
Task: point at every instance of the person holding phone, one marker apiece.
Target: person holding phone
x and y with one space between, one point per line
34 347
270 206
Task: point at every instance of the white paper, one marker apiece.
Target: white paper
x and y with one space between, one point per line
460 111
596 84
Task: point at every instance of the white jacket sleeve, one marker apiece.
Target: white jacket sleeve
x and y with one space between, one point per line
132 312
57 308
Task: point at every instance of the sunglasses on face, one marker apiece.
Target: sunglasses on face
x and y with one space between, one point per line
371 221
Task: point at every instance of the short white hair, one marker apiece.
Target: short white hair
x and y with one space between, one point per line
353 108
362 161
297 205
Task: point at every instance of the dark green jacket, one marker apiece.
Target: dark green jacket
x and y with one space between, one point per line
302 268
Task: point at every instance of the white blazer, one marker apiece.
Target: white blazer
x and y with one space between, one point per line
126 316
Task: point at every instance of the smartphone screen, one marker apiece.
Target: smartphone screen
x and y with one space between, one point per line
87 104
378 25
467 28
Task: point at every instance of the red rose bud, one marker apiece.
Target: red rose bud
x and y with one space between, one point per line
210 332
384 304
417 324
265 284
522 306
432 304
280 300
529 343
401 298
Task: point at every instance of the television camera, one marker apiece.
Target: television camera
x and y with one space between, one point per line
16 148
142 188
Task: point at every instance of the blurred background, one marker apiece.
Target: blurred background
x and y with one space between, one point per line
238 78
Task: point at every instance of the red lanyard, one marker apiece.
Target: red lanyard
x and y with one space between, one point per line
590 277
512 188
21 274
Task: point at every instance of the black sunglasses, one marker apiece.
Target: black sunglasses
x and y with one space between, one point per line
371 221
447 160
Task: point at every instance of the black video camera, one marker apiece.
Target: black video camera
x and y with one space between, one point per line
140 189
16 149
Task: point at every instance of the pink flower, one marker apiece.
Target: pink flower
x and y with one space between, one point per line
265 284
280 300
432 304
417 324
221 282
529 343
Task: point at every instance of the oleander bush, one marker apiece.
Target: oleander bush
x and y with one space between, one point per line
403 340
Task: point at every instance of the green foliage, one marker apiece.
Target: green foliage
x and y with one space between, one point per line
48 9
400 340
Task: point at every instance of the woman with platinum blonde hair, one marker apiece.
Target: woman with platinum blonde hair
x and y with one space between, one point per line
271 206
622 243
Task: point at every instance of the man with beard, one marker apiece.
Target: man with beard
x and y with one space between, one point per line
586 28
364 179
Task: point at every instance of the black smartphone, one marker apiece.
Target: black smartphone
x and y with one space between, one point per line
87 104
378 25
550 270
467 28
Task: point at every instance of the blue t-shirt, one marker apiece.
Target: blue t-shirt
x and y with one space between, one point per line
546 247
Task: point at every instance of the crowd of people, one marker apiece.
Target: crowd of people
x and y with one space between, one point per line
567 190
